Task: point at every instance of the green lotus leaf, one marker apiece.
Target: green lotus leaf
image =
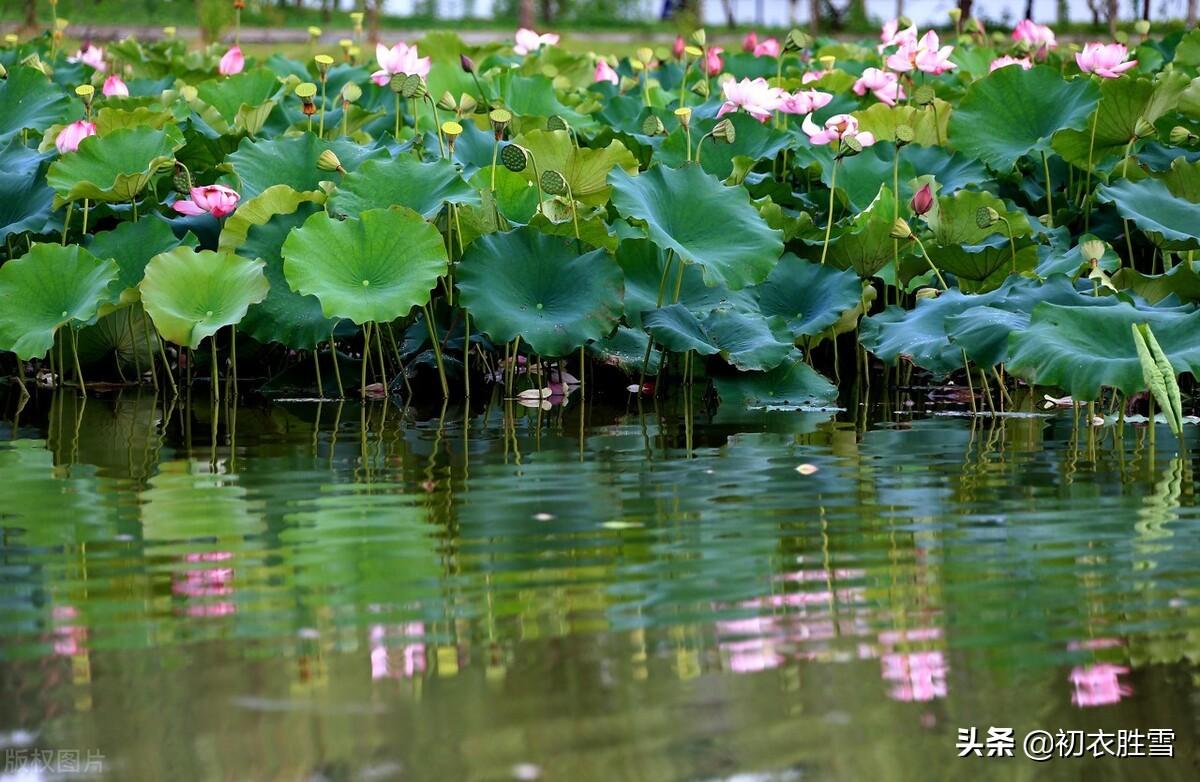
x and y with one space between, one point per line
1081 349
231 97
48 287
113 168
515 196
524 283
625 349
110 118
131 245
859 176
533 96
791 384
404 181
747 340
920 334
678 330
929 126
1122 103
1014 112
373 268
275 200
954 219
811 297
284 317
123 336
983 266
586 170
25 200
191 295
1183 179
1170 222
704 222
29 101
1183 281
642 262
292 161
753 139
865 243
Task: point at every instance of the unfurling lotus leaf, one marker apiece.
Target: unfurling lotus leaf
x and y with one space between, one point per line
791 384
584 170
404 181
239 103
1159 375
524 283
114 168
373 268
191 295
704 222
46 288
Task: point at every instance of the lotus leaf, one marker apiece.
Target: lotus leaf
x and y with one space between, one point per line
113 168
191 295
405 181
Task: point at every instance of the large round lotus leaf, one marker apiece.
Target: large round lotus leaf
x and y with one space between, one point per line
404 181
292 161
25 200
919 334
811 297
642 262
1122 103
748 340
132 245
978 267
29 101
115 167
1081 349
191 295
859 175
45 288
284 317
793 383
1169 221
586 170
703 221
123 335
524 283
374 268
1015 112
232 95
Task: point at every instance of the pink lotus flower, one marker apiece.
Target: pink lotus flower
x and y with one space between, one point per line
1105 60
884 85
216 200
678 47
924 55
401 58
917 676
529 41
115 88
750 41
837 128
713 62
90 55
922 200
892 35
605 72
1006 60
810 76
232 62
1098 685
756 97
1039 37
768 48
804 101
69 137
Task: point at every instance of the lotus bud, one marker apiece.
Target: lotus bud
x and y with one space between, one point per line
1181 136
1092 250
466 63
724 131
1141 27
169 32
904 134
182 179
553 182
500 119
986 217
514 159
324 62
922 200
701 88
1143 129
926 293
827 62
653 126
684 115
305 93
693 51
700 38
314 34
796 41
645 55
328 161
900 229
447 102
555 122
923 95
351 92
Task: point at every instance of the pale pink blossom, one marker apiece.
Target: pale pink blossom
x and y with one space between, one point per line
930 58
917 676
1007 60
216 200
837 128
1098 685
810 76
529 41
892 35
884 85
232 62
412 657
69 137
754 96
768 48
1039 37
401 58
750 41
605 72
1105 60
115 88
90 55
804 101
712 60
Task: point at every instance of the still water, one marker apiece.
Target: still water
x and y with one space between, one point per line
323 592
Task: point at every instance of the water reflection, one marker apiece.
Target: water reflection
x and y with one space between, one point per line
589 591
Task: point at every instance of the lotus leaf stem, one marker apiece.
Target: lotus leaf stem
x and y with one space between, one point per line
437 351
970 383
321 125
387 386
366 352
67 221
829 219
317 367
337 370
137 364
1049 192
929 260
467 352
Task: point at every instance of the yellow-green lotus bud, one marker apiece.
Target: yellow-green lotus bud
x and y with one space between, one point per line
1092 250
986 217
1181 136
796 41
1141 27
466 104
645 55
684 115
513 157
328 161
653 126
904 134
1143 128
701 88
553 182
900 229
724 131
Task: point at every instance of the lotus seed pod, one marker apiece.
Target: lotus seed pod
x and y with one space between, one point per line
553 182
357 18
700 38
306 90
955 15
328 161
904 135
353 53
451 129
555 122
1144 129
1141 27
851 146
653 126
324 62
796 41
645 55
986 217
447 102
514 159
86 92
724 131
827 62
500 119
182 180
169 32
693 51
346 43
1181 135
684 115
900 229
414 87
351 92
314 32
396 83
1092 250
923 95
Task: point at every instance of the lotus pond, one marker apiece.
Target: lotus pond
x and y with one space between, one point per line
502 412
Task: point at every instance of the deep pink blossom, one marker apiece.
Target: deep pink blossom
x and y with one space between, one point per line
216 200
232 62
69 137
712 60
768 48
605 72
115 88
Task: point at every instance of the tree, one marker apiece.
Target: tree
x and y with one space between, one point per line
1114 11
814 16
525 14
31 21
1191 12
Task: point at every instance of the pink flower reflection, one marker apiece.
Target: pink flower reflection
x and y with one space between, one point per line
201 584
70 639
1098 685
386 663
916 676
